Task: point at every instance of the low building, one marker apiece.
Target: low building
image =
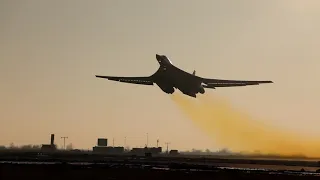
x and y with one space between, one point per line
153 150
102 147
49 147
102 142
108 150
174 152
137 151
146 151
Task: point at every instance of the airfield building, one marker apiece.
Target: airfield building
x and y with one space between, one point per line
49 147
174 152
102 142
146 150
102 147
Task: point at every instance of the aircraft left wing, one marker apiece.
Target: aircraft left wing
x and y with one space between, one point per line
132 80
212 83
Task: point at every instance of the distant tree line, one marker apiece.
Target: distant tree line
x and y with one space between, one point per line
224 151
24 147
227 152
12 146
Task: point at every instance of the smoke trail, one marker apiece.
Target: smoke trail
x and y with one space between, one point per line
240 132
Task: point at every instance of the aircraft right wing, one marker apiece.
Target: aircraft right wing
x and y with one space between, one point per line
212 83
132 80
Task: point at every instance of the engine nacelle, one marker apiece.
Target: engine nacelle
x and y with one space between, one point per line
167 89
201 90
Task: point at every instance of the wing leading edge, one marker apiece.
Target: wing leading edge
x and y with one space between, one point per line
212 83
132 80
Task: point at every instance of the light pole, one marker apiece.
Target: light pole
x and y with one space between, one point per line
64 141
167 143
147 139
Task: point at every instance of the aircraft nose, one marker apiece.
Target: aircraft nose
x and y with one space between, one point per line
158 56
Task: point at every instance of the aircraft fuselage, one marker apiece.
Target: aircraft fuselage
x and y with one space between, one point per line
168 77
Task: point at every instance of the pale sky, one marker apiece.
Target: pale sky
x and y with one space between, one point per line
51 50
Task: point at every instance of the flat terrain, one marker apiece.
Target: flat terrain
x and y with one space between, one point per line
104 171
35 165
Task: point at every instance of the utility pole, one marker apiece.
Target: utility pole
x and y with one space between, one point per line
167 143
113 142
157 143
147 139
64 141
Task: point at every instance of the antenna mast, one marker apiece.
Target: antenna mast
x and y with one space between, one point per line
147 139
64 141
167 143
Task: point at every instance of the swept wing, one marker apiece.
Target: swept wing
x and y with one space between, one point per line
132 80
212 83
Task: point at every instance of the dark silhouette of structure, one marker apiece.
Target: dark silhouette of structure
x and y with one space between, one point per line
168 77
102 147
52 139
148 151
108 150
174 152
102 142
147 140
64 141
167 143
49 147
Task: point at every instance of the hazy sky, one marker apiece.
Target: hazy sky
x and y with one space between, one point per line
51 50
